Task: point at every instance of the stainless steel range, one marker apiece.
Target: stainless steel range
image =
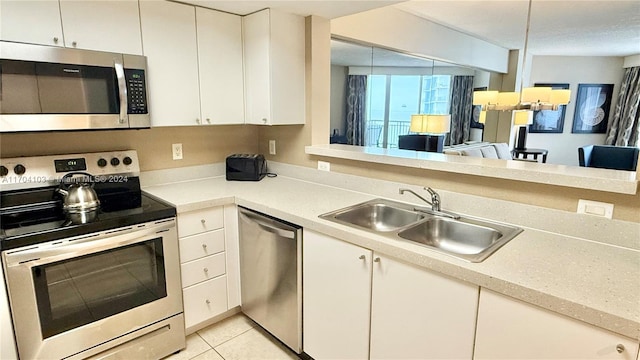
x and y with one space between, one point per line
91 263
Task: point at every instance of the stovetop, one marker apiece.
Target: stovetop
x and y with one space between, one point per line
46 221
34 214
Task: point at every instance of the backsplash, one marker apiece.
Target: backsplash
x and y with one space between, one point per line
201 144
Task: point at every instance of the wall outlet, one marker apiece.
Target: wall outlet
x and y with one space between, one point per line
176 149
272 147
324 166
595 208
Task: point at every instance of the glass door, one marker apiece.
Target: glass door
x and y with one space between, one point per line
81 290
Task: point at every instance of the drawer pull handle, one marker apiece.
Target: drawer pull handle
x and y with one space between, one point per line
204 246
620 348
206 270
361 257
208 302
202 221
376 260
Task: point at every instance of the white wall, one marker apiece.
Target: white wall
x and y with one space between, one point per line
338 91
574 70
395 29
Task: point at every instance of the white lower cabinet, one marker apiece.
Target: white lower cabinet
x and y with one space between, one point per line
512 329
204 301
361 305
208 264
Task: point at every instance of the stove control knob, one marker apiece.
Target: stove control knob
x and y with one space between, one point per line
4 171
19 169
127 161
115 161
102 162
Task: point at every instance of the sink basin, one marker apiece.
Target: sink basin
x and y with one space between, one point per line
378 216
466 237
453 236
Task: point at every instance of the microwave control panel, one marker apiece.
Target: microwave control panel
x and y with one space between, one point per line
136 91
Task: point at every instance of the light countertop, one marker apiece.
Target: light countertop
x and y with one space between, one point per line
586 280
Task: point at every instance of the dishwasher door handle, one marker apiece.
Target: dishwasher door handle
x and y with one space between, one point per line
266 226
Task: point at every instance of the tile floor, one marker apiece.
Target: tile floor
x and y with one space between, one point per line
234 338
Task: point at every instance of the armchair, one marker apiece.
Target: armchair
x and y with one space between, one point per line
609 157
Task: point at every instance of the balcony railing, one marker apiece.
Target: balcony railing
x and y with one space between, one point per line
375 136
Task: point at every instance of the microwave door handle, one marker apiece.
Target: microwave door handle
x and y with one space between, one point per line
122 90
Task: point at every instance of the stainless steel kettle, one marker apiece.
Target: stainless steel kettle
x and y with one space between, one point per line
81 202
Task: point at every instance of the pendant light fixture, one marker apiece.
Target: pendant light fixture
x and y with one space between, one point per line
531 98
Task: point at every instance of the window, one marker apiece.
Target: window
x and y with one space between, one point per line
392 99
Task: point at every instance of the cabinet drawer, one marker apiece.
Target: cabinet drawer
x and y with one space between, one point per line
202 269
204 301
201 245
195 222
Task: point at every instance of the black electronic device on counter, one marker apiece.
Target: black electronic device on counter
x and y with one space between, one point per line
246 167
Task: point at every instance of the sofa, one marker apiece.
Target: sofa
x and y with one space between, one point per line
480 149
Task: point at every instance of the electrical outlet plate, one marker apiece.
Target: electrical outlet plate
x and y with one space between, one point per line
176 150
272 147
595 208
324 166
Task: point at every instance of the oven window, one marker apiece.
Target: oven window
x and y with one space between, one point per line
78 291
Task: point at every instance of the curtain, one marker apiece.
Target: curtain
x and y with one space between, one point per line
624 130
356 108
461 109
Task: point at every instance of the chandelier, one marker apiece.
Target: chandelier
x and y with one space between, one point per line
530 99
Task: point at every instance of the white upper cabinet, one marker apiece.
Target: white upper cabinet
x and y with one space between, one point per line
95 25
34 22
274 58
169 38
220 64
102 25
511 329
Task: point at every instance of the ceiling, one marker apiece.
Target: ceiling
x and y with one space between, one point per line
557 27
327 9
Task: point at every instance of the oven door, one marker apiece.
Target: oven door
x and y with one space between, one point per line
70 295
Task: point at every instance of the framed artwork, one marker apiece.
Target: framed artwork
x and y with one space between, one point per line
593 103
475 114
549 121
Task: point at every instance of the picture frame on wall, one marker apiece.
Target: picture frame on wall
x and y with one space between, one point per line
475 114
549 121
593 103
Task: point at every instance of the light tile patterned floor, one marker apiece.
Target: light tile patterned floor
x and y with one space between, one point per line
235 338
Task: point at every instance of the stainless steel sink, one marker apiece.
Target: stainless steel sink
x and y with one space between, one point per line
378 216
467 238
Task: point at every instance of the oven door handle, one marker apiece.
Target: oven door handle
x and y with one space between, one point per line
72 248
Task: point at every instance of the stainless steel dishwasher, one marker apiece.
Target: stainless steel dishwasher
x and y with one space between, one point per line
271 275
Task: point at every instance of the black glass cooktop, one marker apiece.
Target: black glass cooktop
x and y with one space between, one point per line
29 217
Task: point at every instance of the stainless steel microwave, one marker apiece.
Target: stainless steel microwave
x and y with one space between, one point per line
45 88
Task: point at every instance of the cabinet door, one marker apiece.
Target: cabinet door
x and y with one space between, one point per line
35 22
287 68
220 62
102 25
511 329
336 298
255 29
169 42
418 314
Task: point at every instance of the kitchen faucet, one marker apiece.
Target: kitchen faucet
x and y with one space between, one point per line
435 202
